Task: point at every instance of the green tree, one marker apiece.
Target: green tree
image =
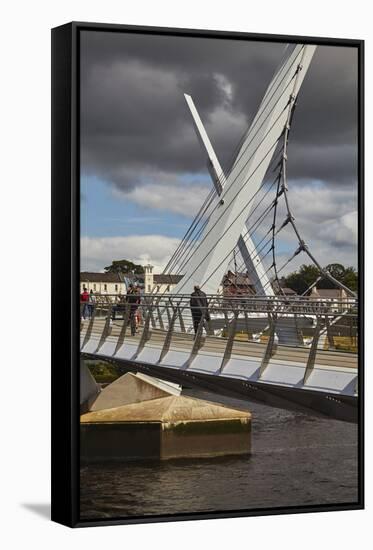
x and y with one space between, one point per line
350 278
124 266
346 275
302 279
336 270
307 274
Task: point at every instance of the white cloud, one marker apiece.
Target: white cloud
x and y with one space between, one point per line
226 124
225 86
326 218
345 228
174 194
96 253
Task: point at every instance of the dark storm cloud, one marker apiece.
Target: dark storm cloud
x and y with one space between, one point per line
135 123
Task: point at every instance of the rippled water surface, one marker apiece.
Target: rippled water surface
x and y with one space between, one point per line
296 460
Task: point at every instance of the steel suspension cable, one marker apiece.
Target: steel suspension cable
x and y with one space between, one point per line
180 249
258 221
287 72
246 204
262 109
291 67
233 158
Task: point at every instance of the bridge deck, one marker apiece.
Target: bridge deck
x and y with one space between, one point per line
216 345
332 371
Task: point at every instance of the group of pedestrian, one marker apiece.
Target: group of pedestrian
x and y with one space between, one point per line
198 306
133 298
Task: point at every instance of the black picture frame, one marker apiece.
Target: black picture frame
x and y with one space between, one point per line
65 270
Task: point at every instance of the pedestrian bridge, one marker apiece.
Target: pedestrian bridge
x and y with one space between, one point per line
298 353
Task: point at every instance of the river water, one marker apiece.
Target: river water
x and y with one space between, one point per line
296 460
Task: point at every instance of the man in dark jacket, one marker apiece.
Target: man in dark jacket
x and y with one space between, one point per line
198 307
133 298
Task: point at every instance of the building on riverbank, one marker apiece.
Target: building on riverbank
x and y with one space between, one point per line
102 283
116 284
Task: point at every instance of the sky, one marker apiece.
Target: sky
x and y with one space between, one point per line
143 172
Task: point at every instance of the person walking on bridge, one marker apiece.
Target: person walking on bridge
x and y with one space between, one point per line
92 302
198 307
133 298
84 299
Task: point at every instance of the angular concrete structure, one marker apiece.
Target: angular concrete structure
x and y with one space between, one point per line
133 388
169 427
89 389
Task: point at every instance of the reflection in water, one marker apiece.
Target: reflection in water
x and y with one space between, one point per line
296 460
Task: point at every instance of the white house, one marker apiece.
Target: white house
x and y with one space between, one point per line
102 283
337 296
115 283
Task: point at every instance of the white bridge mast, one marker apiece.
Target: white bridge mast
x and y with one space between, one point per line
245 244
210 259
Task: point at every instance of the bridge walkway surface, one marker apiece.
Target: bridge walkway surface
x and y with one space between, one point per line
310 374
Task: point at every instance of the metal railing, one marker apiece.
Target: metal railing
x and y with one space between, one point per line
267 323
299 321
264 304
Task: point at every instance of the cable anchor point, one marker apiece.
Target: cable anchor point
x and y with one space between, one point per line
287 220
302 248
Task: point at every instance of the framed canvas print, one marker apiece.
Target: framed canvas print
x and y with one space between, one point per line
207 274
